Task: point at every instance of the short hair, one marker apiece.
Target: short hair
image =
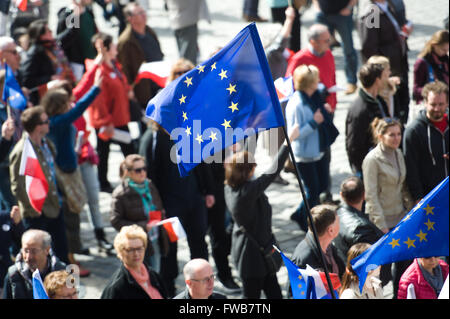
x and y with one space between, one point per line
36 30
42 234
238 168
55 281
323 216
352 190
127 164
379 59
191 266
379 126
55 101
5 41
128 9
129 232
31 117
437 87
369 73
106 38
305 76
316 30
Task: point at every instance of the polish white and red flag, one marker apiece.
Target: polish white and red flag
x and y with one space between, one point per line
21 4
157 71
35 181
284 88
174 229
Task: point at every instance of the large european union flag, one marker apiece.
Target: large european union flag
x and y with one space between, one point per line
12 93
223 100
423 232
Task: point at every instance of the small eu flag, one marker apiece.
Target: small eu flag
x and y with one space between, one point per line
423 232
12 93
38 287
220 102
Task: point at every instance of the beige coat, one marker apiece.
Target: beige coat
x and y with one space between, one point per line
387 196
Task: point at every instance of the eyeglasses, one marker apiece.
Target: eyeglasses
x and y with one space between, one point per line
138 250
205 280
47 121
31 251
139 169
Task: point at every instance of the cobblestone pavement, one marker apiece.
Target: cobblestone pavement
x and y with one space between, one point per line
226 23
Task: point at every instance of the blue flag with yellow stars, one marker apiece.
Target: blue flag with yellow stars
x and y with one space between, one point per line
220 102
299 285
12 93
423 232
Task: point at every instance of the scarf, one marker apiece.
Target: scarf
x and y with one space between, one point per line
144 191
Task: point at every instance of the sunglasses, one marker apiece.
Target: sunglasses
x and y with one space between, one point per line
391 120
139 169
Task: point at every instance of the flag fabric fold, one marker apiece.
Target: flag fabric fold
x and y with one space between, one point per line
35 182
157 71
22 4
38 286
423 232
12 93
285 88
174 229
220 102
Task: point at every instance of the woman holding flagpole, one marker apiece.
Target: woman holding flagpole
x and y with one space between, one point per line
137 201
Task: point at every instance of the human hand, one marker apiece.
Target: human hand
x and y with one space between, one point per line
15 214
98 78
318 117
345 12
328 107
8 129
290 13
385 230
210 201
395 80
294 133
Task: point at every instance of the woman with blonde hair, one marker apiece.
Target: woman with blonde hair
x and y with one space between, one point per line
432 63
350 282
134 279
180 67
317 133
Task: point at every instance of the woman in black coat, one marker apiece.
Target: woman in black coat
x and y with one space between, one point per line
252 214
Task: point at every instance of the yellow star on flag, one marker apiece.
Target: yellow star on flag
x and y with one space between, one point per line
394 243
213 136
410 242
226 124
188 131
429 209
188 81
185 116
231 88
182 99
199 139
213 66
430 224
299 285
233 107
201 68
422 236
223 74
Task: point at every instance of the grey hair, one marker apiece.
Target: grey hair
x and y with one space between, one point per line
37 233
5 41
316 30
192 266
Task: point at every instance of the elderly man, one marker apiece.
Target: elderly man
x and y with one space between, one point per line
9 53
199 279
35 254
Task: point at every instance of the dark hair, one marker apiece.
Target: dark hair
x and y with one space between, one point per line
106 38
437 87
369 73
31 118
36 30
352 190
55 102
238 168
379 126
350 276
323 216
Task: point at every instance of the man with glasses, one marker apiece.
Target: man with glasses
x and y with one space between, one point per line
35 254
199 279
36 124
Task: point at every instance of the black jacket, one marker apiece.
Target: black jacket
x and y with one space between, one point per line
355 227
306 253
18 281
124 286
185 295
358 135
424 147
250 207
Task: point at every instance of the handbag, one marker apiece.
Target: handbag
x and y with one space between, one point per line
73 188
271 257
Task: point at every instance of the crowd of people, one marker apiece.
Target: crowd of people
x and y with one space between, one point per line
79 81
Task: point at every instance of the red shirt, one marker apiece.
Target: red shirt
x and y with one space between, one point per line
442 124
325 64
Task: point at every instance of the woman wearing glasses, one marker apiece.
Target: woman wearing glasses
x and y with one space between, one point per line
384 171
134 279
137 201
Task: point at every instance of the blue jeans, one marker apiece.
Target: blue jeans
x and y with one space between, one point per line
315 180
344 26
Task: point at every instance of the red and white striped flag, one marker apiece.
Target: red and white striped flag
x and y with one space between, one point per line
284 88
35 181
158 72
22 4
174 228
